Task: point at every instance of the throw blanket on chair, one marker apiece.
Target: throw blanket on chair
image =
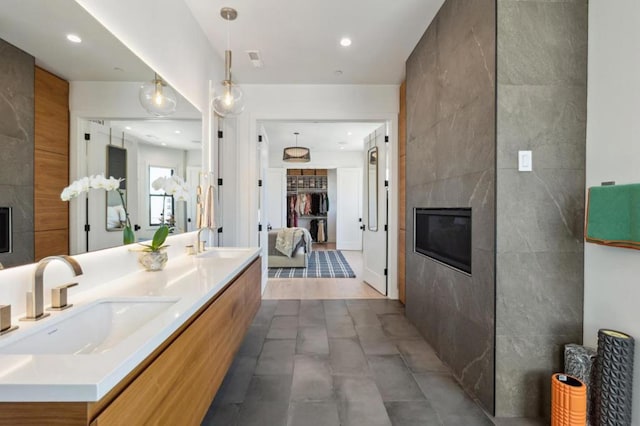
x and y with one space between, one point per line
288 240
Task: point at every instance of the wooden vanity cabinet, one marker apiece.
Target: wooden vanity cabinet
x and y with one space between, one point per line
176 384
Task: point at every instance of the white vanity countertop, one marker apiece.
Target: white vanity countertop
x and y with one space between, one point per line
189 280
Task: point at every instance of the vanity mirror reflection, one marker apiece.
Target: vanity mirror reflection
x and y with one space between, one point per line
83 118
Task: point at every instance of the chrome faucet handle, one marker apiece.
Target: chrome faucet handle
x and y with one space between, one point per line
5 320
59 297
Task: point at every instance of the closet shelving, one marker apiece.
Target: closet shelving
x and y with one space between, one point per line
307 181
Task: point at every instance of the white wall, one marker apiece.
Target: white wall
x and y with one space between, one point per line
611 290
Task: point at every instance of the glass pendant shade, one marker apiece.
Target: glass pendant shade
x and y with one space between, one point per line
228 98
158 98
296 154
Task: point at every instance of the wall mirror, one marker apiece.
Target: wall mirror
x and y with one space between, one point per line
116 215
108 76
372 188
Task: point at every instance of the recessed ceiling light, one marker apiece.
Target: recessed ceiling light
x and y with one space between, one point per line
74 38
349 133
177 132
128 127
163 144
345 42
342 147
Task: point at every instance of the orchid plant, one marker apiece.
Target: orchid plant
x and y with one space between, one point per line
87 183
174 186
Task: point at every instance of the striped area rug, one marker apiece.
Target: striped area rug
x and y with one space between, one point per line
322 264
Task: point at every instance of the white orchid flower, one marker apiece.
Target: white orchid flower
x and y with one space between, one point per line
159 183
112 183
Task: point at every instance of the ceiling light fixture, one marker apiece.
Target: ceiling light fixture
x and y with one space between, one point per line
296 154
73 38
345 42
349 133
177 132
127 127
229 99
158 98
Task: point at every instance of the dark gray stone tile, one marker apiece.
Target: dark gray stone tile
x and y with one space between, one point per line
356 388
347 357
283 327
412 413
276 357
335 308
269 388
340 326
253 341
420 357
446 396
265 313
287 307
393 378
399 327
223 415
314 414
364 316
363 413
311 314
379 347
312 340
312 379
370 332
462 420
236 382
357 304
386 306
257 413
518 421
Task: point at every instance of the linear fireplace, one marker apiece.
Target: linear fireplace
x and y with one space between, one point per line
444 234
5 230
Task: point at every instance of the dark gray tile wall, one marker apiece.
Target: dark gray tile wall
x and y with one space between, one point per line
451 163
542 75
16 148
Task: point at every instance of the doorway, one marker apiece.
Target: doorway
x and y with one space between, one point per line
338 148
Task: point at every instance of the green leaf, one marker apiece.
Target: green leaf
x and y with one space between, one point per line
159 237
128 237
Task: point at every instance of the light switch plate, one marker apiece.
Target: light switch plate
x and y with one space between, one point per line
525 161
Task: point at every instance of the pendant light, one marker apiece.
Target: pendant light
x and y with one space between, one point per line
228 100
158 98
296 154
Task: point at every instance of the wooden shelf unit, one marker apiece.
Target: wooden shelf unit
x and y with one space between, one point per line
307 181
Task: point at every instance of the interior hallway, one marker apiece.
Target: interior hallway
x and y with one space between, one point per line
338 362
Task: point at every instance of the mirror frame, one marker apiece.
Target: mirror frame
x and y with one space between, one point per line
372 189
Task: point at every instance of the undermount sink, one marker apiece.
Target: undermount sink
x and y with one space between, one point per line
94 329
224 252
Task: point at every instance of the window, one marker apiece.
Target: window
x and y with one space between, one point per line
159 214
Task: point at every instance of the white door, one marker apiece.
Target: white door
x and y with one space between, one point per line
276 186
193 180
348 209
374 239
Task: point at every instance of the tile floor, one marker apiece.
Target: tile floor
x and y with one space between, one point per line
338 362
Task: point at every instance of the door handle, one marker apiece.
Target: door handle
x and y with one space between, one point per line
362 227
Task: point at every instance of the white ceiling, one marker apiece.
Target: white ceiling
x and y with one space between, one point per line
178 134
318 135
299 39
40 27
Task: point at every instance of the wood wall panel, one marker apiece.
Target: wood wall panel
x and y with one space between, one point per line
52 113
51 160
402 190
51 243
